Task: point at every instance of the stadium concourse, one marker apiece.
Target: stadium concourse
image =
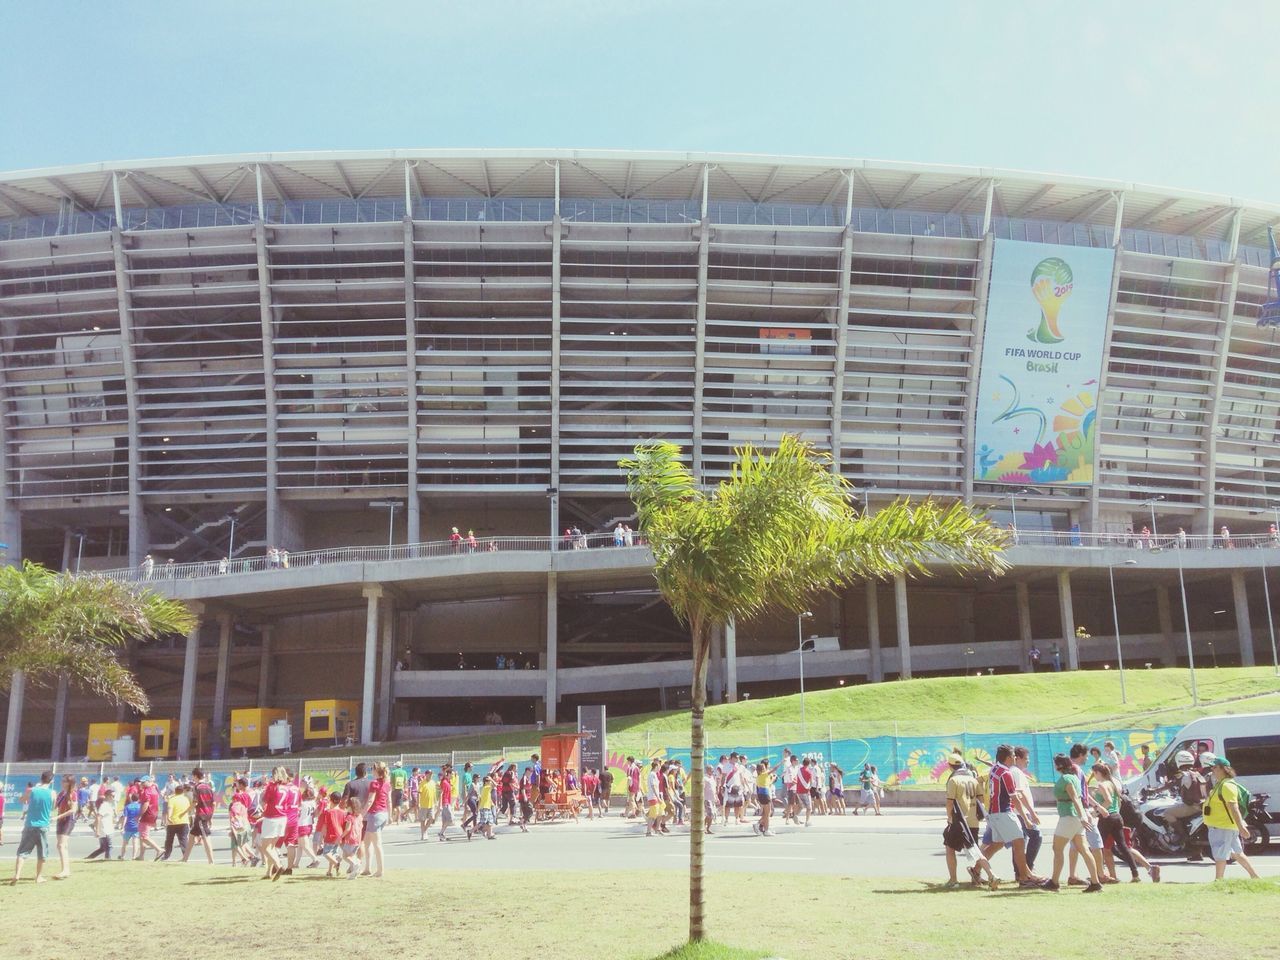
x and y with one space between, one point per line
363 411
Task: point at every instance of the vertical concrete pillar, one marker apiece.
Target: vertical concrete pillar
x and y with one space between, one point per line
219 718
1164 611
1024 622
1244 627
370 689
1068 620
13 726
731 661
413 511
715 669
875 669
60 721
904 630
264 666
384 678
553 693
186 708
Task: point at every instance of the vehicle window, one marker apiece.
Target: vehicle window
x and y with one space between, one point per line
1254 756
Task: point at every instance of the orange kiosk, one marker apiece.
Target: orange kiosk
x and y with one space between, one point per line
560 752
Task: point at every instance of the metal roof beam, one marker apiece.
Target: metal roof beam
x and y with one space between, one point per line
346 181
488 183
866 185
1212 219
626 183
768 182
1032 200
902 192
1155 211
1094 208
208 194
17 206
68 193
141 192
267 172
235 184
597 178
979 186
393 165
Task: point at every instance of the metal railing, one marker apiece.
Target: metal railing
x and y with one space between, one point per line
1139 541
329 556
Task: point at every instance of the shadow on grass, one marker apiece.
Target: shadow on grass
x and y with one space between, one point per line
706 950
925 887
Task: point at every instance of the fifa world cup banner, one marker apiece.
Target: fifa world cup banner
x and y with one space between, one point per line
1041 361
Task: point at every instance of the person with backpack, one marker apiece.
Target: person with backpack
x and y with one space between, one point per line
202 802
1192 790
1224 812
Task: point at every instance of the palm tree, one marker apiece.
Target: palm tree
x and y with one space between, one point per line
55 624
779 531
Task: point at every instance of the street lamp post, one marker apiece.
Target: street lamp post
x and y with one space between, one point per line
1271 627
231 541
79 535
1151 502
1115 619
1186 623
800 618
391 506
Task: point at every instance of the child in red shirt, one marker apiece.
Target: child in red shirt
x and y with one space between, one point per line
352 834
331 825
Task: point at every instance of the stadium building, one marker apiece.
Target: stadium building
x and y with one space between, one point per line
346 355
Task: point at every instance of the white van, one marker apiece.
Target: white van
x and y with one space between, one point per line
1251 741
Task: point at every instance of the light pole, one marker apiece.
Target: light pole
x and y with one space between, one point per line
1115 619
1271 627
800 618
391 506
1186 623
1151 502
231 541
79 535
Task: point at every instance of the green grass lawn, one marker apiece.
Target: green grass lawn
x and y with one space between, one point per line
107 910
1015 703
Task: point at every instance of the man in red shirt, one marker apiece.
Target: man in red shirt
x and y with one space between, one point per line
149 797
446 799
1005 805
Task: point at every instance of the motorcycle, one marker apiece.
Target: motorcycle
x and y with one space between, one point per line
1155 837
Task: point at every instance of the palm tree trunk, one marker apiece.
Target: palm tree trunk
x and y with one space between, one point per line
698 705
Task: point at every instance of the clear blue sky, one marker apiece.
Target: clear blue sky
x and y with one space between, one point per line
1180 94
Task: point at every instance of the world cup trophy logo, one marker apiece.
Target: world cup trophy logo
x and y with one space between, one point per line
1051 283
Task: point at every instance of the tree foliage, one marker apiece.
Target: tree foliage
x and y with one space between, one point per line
55 624
782 529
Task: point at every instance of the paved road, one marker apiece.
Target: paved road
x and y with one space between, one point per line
902 843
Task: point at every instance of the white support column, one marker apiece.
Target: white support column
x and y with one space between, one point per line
904 629
408 189
219 718
186 708
13 725
1068 620
274 525
1118 223
842 344
1164 613
1232 281
700 331
370 689
1024 621
986 209
731 661
1244 627
257 182
981 287
385 668
557 230
138 537
10 516
60 720
413 511
1100 396
715 668
266 663
875 669
553 693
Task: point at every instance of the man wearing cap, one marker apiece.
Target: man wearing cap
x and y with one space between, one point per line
961 831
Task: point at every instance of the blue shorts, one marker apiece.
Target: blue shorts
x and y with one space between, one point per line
763 795
130 835
1223 843
374 822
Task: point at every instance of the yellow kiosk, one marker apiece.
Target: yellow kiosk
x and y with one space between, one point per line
157 739
331 720
249 727
102 735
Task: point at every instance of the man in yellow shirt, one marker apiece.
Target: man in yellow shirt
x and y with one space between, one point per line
426 802
485 816
177 821
1225 821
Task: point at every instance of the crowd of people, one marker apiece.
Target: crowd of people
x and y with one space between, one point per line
1090 829
284 821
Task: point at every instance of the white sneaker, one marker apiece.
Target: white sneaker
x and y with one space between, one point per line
755 828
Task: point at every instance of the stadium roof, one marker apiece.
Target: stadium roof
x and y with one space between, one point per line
629 174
